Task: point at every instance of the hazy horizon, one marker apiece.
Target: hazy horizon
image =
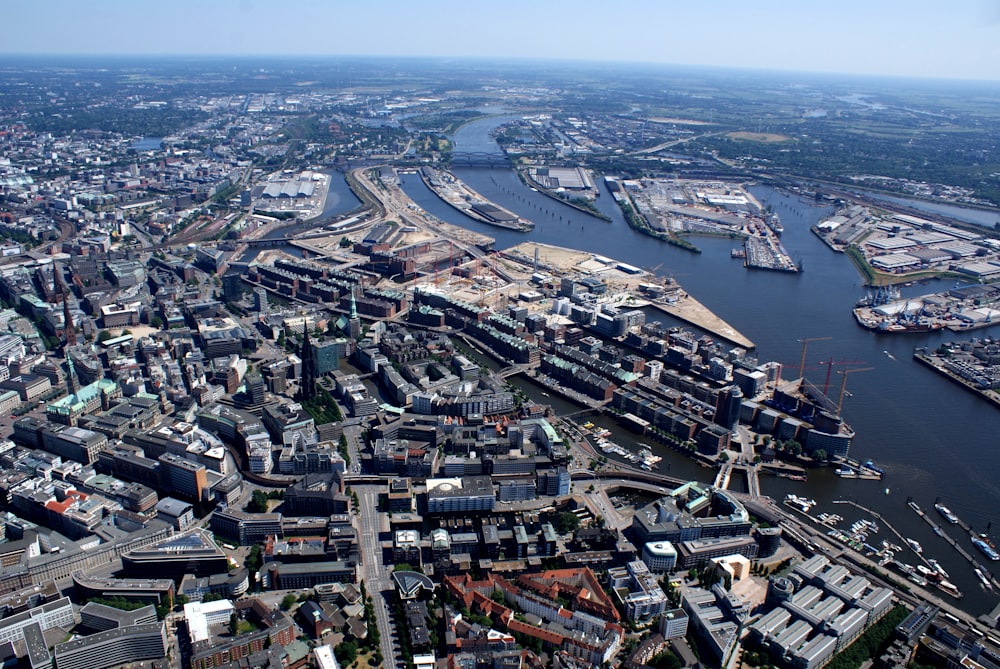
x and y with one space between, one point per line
893 38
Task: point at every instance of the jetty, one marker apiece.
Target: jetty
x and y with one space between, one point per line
954 543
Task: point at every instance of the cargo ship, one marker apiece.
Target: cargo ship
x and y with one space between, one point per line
946 512
987 550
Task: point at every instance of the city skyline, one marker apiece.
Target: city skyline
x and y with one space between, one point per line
914 39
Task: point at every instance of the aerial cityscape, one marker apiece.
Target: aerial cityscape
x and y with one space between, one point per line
456 363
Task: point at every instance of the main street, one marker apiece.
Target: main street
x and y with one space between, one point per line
376 578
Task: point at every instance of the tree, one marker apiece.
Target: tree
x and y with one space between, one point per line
254 559
819 454
567 522
288 601
346 653
234 623
258 502
103 336
156 322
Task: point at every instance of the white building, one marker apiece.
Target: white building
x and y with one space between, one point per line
659 556
200 616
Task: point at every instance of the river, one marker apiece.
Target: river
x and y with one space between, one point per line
933 438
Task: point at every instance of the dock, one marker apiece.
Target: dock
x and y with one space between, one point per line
881 519
971 558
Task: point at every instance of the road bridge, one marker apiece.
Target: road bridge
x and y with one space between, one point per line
479 159
722 478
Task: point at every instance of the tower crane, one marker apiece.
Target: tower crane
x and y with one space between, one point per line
830 363
843 383
805 345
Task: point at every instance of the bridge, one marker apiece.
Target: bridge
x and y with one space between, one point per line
479 159
725 473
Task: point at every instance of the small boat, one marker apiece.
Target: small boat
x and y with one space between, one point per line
987 549
800 503
915 545
937 567
982 579
869 464
928 573
949 588
913 505
946 512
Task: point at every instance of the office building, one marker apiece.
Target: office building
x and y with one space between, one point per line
460 495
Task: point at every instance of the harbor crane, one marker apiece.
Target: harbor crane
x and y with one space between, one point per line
805 345
843 383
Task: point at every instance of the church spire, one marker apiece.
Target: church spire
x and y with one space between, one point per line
69 329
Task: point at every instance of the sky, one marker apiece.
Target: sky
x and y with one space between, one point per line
914 38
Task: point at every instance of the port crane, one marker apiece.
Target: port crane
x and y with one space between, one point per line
830 363
805 345
843 383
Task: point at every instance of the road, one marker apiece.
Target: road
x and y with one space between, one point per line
376 579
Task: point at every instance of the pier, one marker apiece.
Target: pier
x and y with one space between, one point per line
881 519
971 558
